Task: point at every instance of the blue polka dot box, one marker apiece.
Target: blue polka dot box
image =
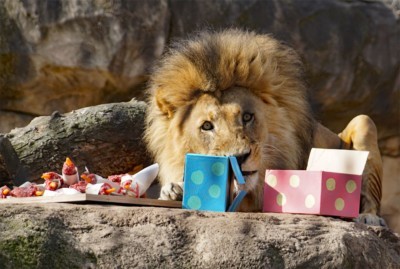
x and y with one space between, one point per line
207 180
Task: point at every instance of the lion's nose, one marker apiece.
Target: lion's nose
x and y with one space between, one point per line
242 158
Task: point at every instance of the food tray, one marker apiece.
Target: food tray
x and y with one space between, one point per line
91 198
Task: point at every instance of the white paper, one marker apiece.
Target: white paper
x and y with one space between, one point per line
26 184
100 179
93 188
62 191
337 160
145 177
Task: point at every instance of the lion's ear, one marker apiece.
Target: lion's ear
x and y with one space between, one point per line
164 104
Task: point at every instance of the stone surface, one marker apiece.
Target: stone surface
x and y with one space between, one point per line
98 236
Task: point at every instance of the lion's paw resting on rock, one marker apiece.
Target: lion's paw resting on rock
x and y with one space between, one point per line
172 191
371 219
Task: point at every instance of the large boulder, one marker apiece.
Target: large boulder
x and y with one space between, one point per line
95 236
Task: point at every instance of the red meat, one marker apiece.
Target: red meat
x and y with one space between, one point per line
116 178
24 191
80 186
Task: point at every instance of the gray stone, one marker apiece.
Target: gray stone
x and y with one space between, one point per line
99 236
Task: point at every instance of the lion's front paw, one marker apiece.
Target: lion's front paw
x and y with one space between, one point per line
371 219
172 191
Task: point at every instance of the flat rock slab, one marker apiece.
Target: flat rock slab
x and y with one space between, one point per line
109 236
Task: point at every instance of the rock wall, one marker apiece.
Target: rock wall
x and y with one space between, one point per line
63 55
95 236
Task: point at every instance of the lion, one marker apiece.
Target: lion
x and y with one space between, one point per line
239 93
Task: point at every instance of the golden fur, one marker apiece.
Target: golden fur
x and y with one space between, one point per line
249 87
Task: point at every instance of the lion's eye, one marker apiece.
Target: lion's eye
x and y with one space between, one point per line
207 126
247 117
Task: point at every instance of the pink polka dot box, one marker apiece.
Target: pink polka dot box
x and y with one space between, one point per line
330 186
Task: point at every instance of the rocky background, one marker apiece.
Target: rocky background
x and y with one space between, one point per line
63 55
60 55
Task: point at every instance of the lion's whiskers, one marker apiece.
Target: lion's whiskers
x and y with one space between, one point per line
271 155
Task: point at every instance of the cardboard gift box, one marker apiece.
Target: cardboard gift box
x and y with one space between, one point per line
207 182
331 185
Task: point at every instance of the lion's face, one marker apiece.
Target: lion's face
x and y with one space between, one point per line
228 124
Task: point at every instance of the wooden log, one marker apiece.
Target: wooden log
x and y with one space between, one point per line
107 139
